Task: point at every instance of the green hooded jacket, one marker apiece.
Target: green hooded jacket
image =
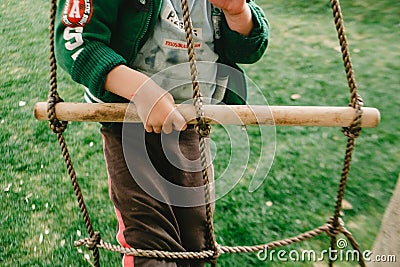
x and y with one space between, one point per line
94 36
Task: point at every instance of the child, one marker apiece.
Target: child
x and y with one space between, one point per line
114 48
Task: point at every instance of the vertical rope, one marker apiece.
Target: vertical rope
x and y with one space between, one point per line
351 132
338 17
53 97
333 252
354 130
202 127
81 202
58 128
355 246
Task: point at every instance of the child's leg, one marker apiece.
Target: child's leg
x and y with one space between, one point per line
145 222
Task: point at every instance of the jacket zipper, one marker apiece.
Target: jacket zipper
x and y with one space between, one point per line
144 32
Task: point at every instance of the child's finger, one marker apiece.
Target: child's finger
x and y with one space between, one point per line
167 127
148 128
157 129
178 121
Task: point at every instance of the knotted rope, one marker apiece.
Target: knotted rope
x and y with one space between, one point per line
351 132
58 128
332 228
202 128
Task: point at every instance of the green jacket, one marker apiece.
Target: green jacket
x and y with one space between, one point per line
96 36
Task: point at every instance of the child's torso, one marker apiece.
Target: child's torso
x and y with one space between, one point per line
164 55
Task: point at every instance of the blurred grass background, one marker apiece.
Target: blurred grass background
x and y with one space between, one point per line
39 216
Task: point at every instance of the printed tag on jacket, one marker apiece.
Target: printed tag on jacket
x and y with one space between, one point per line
77 13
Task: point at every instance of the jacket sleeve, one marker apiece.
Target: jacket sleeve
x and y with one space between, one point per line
82 41
237 48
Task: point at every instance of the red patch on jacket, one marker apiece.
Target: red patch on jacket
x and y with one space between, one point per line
77 13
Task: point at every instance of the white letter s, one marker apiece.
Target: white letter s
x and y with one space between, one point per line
73 36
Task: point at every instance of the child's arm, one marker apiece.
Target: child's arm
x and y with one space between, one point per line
155 106
235 47
237 13
84 50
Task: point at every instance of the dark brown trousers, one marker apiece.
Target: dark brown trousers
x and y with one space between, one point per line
155 185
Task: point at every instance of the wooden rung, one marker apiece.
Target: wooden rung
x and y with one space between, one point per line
219 114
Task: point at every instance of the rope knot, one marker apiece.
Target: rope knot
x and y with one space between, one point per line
354 130
203 129
55 125
335 227
92 242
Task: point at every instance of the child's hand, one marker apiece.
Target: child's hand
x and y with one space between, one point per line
154 105
230 7
237 14
156 109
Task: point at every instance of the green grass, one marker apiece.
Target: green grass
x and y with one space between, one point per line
39 216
